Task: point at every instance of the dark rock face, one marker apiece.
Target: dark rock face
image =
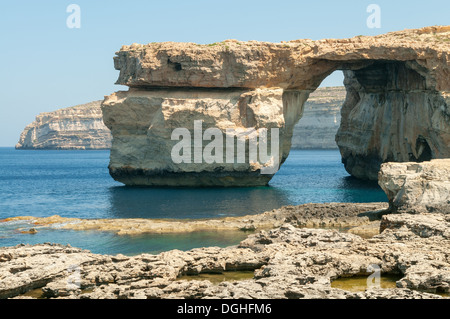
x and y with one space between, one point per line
391 115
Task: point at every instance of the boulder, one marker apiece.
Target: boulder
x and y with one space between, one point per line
417 187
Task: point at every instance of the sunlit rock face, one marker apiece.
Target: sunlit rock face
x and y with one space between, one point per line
81 127
143 123
396 107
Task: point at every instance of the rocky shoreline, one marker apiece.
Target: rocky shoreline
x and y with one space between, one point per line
295 252
288 261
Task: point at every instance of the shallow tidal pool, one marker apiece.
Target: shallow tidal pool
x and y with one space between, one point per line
360 283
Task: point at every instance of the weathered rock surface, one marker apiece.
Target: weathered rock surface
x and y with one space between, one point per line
142 122
423 225
288 262
396 107
299 64
391 114
74 128
417 187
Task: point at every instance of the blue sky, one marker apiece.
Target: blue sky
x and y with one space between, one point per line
46 66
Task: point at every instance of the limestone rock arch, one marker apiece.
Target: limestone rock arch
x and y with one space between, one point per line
397 105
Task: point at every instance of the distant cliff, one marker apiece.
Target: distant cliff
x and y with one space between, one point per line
74 128
81 127
321 119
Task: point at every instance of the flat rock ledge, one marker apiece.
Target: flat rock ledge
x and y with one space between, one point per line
360 218
287 261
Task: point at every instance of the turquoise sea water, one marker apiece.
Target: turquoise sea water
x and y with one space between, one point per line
77 184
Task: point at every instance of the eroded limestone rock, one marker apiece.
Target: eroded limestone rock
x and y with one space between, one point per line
423 225
330 215
391 115
142 123
82 127
417 187
298 64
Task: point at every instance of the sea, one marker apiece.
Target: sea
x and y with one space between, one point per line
77 184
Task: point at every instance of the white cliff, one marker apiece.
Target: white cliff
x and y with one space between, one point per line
81 127
321 119
78 128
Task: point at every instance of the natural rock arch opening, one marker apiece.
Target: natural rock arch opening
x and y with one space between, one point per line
387 115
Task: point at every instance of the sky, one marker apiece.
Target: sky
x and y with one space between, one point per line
46 65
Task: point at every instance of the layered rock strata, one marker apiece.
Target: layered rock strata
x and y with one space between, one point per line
81 126
143 123
417 187
392 114
78 127
320 121
396 107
